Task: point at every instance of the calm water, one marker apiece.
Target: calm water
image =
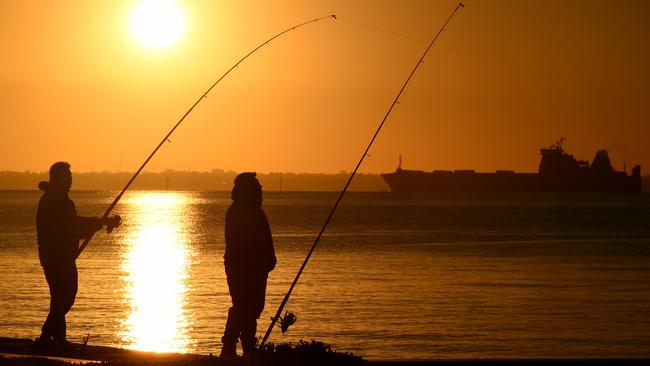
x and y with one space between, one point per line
443 276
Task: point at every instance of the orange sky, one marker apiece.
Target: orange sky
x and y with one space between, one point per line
506 78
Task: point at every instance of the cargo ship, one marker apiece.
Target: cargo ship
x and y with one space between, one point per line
558 172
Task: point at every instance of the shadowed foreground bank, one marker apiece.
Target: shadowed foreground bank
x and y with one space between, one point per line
19 352
15 352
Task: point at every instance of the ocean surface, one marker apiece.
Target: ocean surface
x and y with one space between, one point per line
394 277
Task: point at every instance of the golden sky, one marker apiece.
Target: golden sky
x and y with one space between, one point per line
506 78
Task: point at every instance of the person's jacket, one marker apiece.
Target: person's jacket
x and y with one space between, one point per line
249 245
59 229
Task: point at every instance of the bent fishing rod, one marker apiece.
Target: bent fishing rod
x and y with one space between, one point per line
204 95
345 188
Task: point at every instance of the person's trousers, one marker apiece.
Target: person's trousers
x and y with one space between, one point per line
248 294
62 280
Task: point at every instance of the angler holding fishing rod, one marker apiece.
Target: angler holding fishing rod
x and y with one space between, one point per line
59 230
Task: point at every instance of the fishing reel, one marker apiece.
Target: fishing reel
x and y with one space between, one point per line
284 322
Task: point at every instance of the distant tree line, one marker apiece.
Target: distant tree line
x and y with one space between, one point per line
215 180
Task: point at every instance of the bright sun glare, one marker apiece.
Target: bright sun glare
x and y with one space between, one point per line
157 23
157 266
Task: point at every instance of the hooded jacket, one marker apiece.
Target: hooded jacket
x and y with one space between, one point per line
249 245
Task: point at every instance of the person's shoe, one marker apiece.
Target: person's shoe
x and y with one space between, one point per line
228 350
43 345
63 346
249 346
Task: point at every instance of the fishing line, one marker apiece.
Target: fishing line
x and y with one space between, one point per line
547 77
363 156
381 30
556 22
538 73
204 95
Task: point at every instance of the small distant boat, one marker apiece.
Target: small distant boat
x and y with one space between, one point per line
558 172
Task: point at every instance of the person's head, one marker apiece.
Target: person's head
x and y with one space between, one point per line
247 189
60 178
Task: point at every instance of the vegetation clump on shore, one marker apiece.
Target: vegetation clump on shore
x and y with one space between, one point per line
305 353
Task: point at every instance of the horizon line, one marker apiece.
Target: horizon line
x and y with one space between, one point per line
215 170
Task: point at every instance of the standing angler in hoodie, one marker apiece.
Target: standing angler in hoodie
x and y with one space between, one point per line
59 230
248 260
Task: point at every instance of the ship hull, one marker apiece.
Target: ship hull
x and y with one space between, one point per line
413 181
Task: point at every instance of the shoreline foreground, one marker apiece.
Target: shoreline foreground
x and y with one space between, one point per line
16 351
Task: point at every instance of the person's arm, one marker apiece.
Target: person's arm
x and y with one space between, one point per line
87 226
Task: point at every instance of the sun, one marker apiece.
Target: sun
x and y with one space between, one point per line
157 23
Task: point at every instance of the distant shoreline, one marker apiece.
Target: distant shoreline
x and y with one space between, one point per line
215 180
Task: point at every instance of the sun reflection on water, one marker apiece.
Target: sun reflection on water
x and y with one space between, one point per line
156 268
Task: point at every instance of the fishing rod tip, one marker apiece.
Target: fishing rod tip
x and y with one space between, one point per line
333 16
461 5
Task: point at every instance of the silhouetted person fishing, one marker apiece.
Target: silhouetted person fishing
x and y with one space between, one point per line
248 260
59 230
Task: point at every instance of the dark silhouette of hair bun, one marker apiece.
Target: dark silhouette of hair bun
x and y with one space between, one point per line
43 186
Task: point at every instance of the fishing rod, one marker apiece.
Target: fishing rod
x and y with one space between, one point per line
345 188
204 95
